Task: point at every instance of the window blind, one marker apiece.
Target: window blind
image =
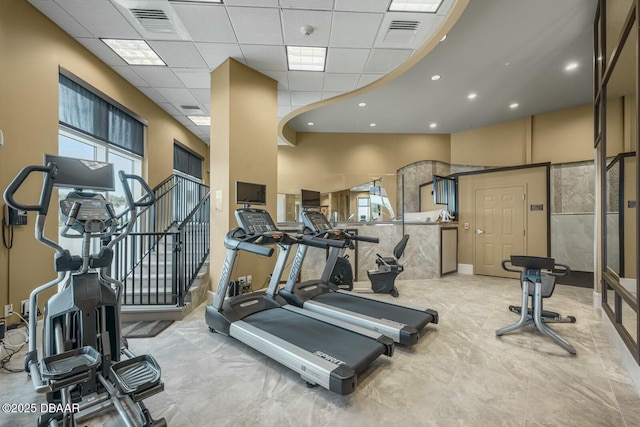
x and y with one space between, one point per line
186 161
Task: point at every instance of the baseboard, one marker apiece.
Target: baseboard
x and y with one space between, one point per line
465 269
627 358
597 300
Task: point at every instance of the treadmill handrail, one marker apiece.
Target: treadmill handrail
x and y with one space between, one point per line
255 249
320 242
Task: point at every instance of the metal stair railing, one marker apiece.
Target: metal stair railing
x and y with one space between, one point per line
159 261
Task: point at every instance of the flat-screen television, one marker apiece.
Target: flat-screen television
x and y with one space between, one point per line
251 194
82 174
310 199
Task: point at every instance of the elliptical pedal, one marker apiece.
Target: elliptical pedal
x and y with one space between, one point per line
138 377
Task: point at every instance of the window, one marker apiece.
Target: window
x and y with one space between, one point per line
187 162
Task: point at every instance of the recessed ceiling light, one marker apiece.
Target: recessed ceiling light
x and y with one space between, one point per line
310 123
435 77
362 104
428 6
472 95
200 120
372 124
306 58
433 125
506 64
134 52
443 38
572 66
514 105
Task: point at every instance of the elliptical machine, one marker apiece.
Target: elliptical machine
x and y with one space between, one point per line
83 371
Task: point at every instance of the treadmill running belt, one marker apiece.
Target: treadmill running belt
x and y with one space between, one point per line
376 309
356 351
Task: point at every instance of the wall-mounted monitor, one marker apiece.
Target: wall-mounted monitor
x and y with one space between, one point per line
310 199
251 194
82 174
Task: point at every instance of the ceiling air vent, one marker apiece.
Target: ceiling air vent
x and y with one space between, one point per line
401 31
190 107
155 21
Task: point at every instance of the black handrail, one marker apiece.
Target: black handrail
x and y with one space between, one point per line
159 261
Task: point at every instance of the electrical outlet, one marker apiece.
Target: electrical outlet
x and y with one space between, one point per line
249 279
8 310
242 280
24 306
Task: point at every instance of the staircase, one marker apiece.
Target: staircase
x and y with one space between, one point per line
163 263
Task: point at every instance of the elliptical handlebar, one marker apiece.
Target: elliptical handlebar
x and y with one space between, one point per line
50 171
124 179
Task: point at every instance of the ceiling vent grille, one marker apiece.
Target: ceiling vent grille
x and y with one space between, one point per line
154 21
401 32
404 25
189 107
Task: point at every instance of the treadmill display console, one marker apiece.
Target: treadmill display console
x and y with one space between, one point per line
255 221
316 221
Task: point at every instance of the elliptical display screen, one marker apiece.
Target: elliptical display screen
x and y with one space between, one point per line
316 221
251 194
82 174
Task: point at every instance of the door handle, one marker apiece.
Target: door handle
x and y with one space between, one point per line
478 231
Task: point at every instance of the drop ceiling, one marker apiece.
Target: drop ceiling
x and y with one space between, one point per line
365 43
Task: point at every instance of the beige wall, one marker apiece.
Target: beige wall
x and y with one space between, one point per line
329 162
630 234
503 144
563 136
534 180
32 49
244 146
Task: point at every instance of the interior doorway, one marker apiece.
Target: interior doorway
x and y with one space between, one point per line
500 227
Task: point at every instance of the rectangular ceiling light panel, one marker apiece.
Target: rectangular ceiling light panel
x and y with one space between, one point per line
306 58
425 6
134 52
201 120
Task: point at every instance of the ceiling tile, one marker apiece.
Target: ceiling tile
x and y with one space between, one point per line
283 111
385 60
216 53
294 19
354 29
61 18
307 4
304 98
100 18
279 76
152 94
262 57
206 23
342 60
366 79
102 51
130 75
363 5
169 108
258 3
327 95
256 25
178 54
284 98
340 82
178 96
158 76
203 96
194 79
305 81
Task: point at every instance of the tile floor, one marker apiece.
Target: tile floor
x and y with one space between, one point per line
459 374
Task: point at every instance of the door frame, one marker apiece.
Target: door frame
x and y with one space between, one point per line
547 166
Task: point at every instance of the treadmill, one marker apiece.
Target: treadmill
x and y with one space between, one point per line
402 323
322 350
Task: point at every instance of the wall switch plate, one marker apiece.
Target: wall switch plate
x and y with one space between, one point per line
249 279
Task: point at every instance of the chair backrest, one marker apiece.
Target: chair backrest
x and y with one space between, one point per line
400 247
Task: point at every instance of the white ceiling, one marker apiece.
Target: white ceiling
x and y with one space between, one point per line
506 51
